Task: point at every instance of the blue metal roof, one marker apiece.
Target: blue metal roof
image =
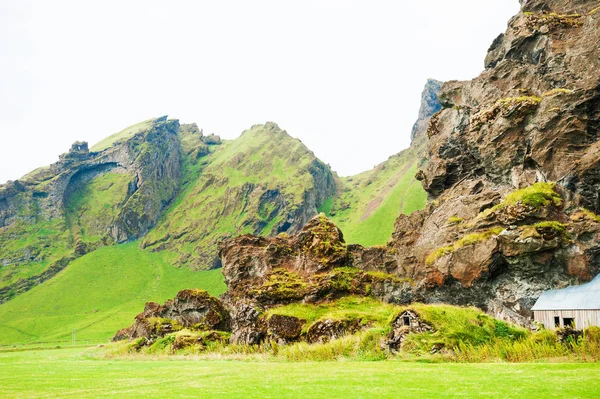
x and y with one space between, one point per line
584 297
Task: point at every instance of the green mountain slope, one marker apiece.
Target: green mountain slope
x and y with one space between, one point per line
98 294
84 201
264 182
368 204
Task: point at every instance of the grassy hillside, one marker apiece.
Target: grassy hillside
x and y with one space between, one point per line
249 185
27 248
367 204
94 206
97 295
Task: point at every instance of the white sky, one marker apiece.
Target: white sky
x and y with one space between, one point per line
344 76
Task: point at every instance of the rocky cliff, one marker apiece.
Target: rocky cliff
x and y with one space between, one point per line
513 169
85 200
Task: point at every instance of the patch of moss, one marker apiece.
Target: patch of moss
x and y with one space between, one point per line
163 325
470 239
455 220
522 100
589 214
282 285
536 196
552 228
555 92
553 20
438 253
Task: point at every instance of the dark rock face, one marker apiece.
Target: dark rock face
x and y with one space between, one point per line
194 309
532 116
284 329
325 330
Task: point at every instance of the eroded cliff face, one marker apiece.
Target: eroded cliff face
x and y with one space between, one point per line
533 114
86 200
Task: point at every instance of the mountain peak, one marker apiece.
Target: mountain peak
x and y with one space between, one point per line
429 106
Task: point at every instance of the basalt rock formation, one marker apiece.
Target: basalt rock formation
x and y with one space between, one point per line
312 266
499 230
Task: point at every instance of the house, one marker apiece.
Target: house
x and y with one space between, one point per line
577 307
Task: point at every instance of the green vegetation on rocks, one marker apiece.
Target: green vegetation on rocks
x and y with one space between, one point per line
92 208
469 239
258 184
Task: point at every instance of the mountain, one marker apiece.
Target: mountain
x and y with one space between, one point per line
366 205
161 194
88 199
512 174
264 182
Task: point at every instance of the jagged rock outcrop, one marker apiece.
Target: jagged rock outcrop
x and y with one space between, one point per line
533 114
531 117
311 266
191 309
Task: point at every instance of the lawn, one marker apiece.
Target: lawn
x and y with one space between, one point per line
98 294
80 373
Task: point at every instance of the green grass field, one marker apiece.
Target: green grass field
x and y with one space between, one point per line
82 373
97 295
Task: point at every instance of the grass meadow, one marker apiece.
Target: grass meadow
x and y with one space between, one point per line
85 373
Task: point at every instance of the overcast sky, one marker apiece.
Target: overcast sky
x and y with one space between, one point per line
344 76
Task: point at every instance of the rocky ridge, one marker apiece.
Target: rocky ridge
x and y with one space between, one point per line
44 218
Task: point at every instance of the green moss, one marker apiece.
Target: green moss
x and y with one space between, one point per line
555 92
455 220
522 100
470 239
553 228
438 253
476 238
281 284
536 196
590 215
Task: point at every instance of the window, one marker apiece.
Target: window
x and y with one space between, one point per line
569 322
406 320
556 321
